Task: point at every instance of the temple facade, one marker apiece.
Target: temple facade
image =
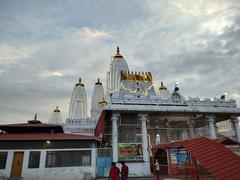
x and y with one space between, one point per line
132 116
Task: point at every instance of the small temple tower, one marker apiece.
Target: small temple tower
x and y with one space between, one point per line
117 65
98 95
78 103
164 94
56 117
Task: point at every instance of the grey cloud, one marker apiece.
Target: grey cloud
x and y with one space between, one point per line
29 19
66 36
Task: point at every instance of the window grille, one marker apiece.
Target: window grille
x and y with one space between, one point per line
68 158
3 159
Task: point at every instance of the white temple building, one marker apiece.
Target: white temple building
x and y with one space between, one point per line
56 117
133 114
77 121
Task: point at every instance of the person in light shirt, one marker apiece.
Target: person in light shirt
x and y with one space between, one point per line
157 168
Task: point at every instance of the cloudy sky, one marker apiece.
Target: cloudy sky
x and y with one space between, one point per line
45 46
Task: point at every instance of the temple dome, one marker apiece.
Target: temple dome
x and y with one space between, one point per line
78 102
164 94
151 91
176 96
56 117
98 95
117 65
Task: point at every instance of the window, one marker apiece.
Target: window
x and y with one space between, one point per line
68 158
34 159
3 160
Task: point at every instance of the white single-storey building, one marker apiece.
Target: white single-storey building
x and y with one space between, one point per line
42 151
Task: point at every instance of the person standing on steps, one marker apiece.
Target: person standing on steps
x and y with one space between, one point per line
157 169
124 171
114 172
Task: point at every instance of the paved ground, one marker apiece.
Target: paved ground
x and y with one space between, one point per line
142 178
139 178
131 178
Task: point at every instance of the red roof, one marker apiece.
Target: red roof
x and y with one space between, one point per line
100 125
46 136
33 126
30 124
219 160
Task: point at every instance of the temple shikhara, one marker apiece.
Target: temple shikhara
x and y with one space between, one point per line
133 121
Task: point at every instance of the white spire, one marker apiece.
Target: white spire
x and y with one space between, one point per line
56 117
98 95
78 103
77 110
117 65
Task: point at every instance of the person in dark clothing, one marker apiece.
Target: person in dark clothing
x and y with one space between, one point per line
124 171
114 172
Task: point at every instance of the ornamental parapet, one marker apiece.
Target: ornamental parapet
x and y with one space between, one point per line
134 98
136 76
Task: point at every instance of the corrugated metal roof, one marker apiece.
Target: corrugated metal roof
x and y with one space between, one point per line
219 160
45 137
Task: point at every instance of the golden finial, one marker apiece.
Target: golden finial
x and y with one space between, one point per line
56 109
98 82
103 102
118 55
162 87
79 83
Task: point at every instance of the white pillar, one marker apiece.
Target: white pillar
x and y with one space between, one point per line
192 134
184 134
143 119
190 124
115 137
210 119
235 121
